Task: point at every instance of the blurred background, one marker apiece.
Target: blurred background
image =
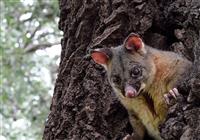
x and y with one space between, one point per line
30 49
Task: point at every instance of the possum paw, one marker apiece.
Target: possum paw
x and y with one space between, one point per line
172 94
133 136
128 137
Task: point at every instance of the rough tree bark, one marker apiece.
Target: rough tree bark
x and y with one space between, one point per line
84 105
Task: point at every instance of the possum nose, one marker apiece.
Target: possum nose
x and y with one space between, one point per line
130 91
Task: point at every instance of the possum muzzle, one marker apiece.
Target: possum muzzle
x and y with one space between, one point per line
132 92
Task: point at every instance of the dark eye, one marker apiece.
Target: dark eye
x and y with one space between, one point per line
136 71
116 79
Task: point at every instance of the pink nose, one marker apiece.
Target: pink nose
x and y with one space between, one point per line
130 92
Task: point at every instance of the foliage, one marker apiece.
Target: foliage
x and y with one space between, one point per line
25 80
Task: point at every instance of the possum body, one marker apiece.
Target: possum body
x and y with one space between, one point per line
140 75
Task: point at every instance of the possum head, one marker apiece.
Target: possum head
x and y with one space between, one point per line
129 68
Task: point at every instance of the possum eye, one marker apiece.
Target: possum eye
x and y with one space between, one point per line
136 71
116 79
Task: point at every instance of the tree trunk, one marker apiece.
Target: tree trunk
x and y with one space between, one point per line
84 105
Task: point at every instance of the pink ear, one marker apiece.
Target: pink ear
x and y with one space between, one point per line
100 57
134 42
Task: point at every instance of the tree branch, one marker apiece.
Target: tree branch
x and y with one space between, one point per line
33 48
32 35
48 33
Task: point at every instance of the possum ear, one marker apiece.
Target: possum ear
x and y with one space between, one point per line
101 56
134 43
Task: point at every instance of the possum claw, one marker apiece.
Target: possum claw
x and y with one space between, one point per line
171 94
166 98
175 90
128 137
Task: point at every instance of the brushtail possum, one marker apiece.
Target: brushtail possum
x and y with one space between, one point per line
141 76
